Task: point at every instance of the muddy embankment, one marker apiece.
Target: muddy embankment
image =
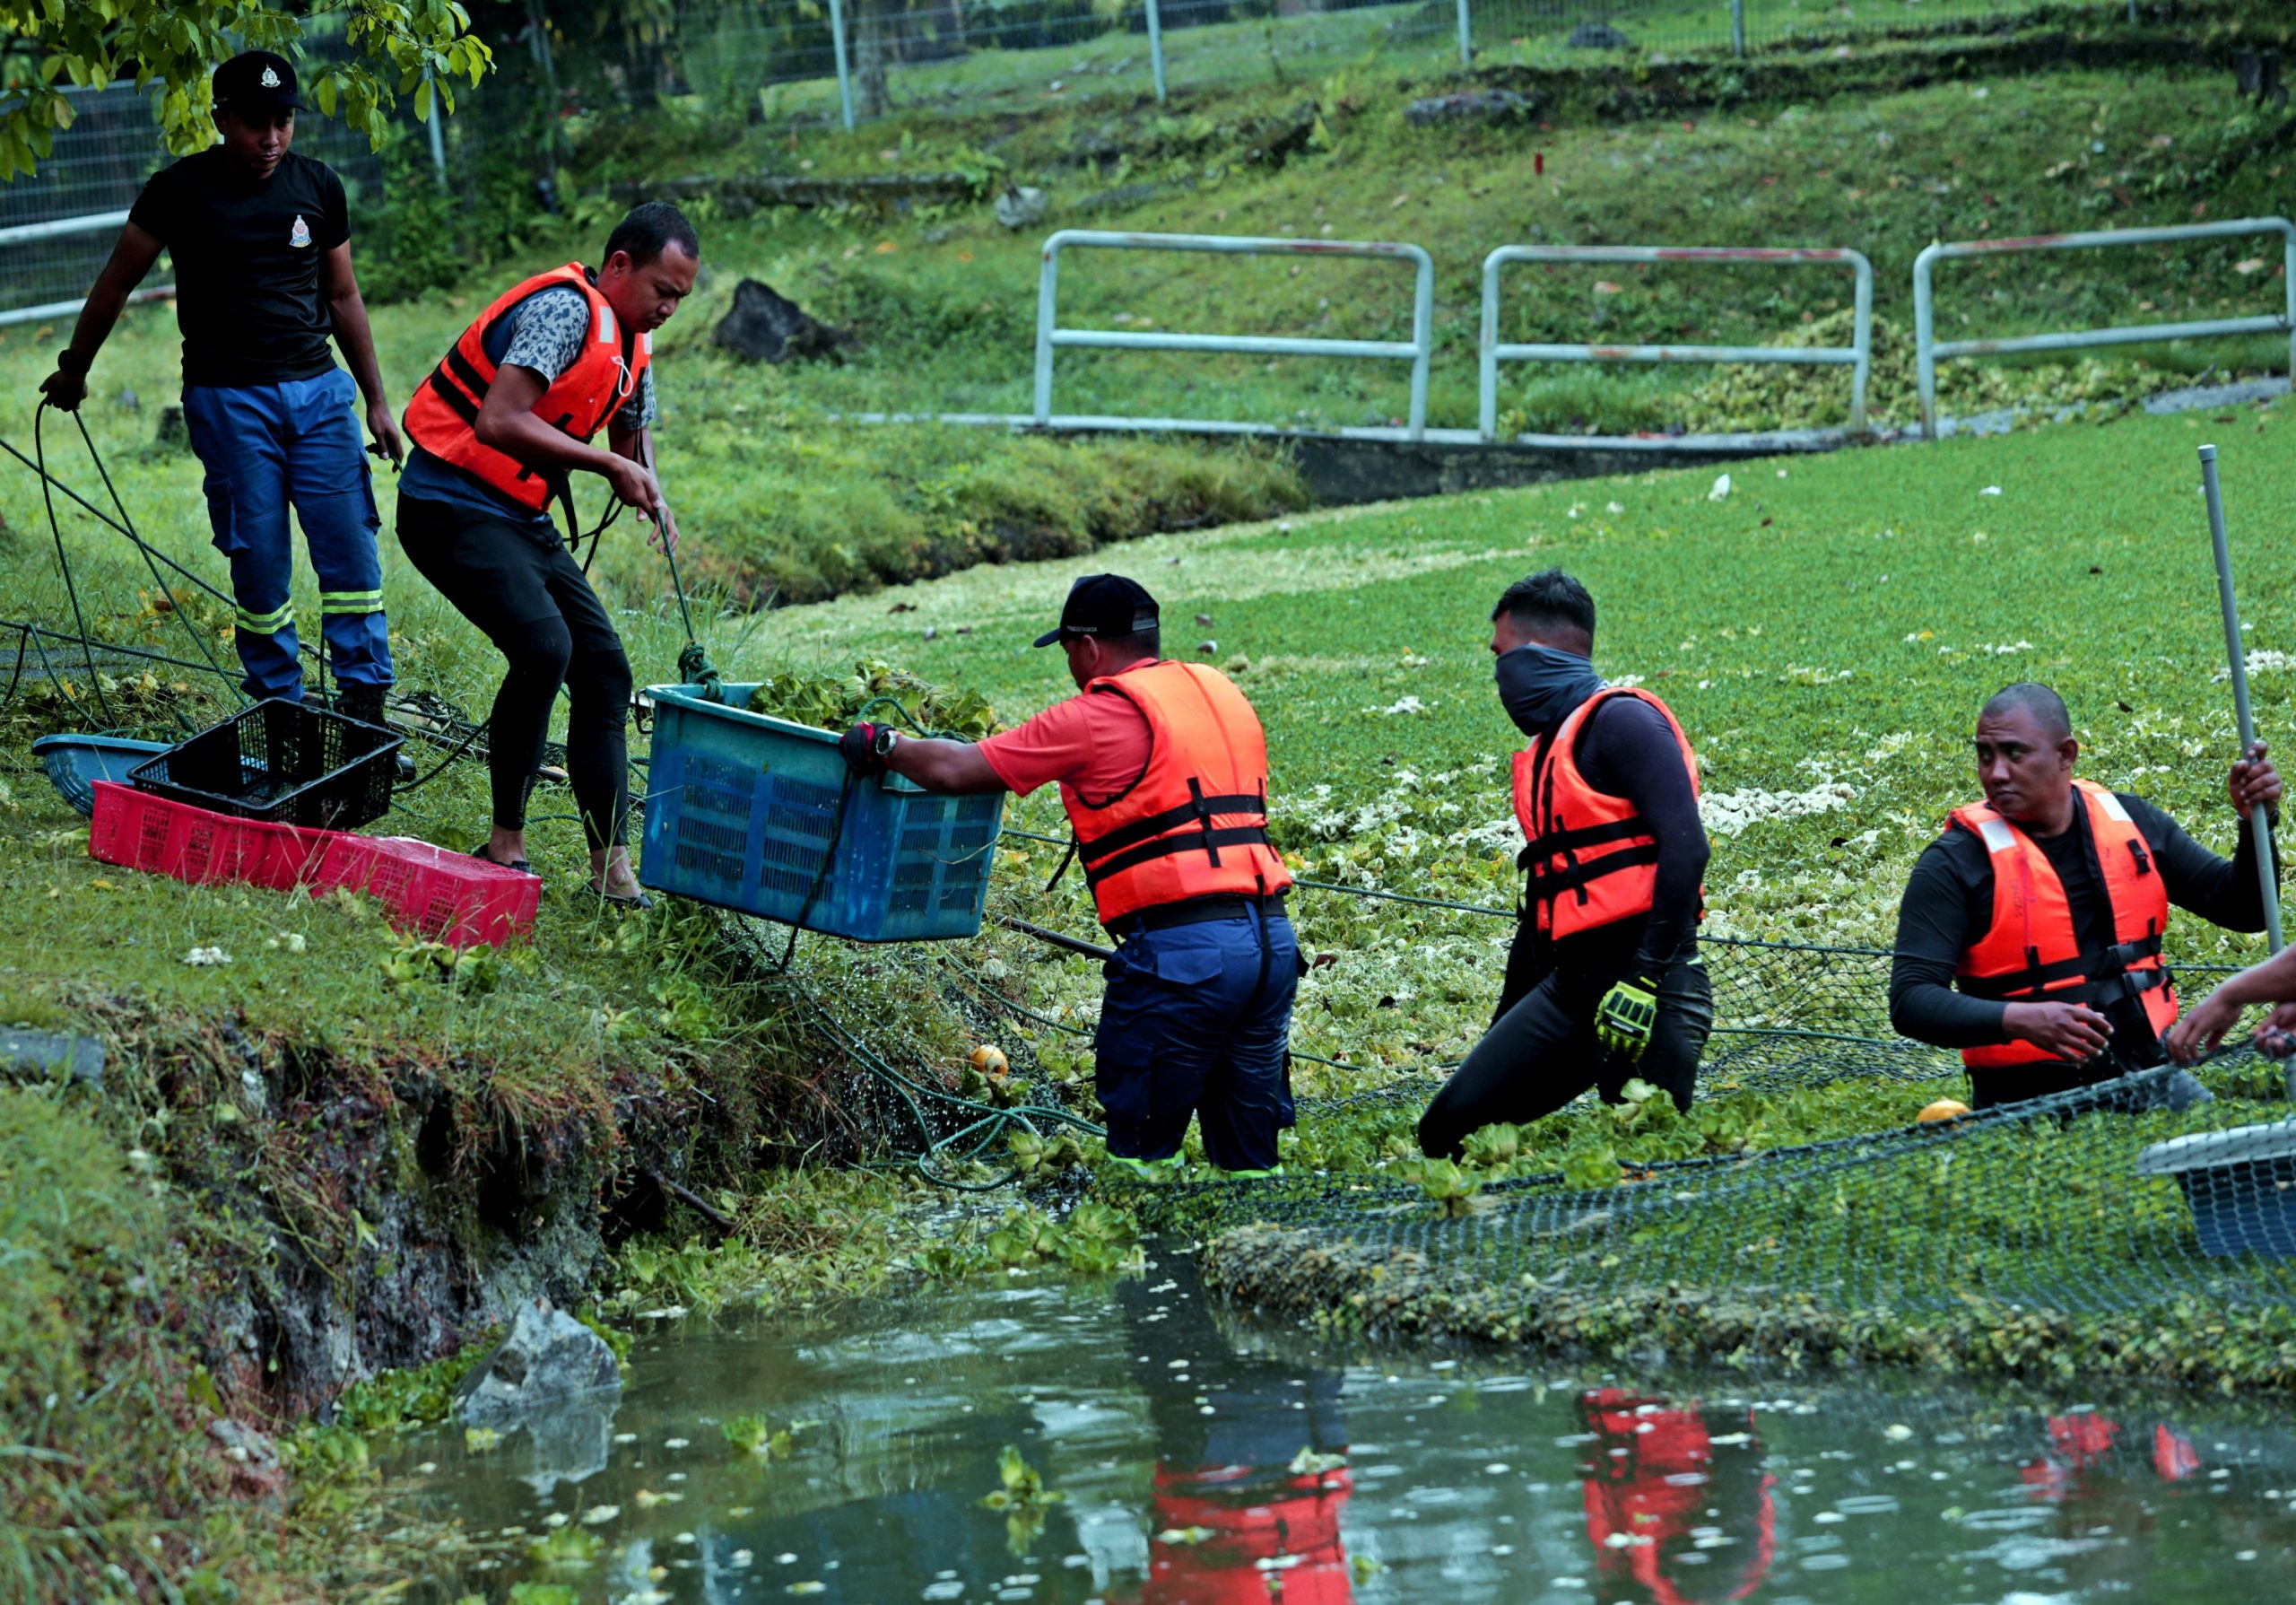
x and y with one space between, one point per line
346 1210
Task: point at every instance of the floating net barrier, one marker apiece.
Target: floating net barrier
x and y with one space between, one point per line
2100 1202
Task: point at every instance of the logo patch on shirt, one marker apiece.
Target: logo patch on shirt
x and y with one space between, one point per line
299 235
270 79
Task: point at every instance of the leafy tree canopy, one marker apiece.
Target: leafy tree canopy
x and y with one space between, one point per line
168 48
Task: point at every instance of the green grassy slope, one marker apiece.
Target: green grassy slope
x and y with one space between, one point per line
1826 632
780 500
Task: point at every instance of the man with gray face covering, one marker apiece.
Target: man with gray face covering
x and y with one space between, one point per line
1604 981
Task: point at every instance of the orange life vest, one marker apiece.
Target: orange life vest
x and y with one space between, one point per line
1194 823
1591 857
2029 952
443 415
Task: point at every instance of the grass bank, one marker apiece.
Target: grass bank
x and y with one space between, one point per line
780 499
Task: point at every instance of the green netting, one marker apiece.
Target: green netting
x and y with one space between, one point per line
2064 1204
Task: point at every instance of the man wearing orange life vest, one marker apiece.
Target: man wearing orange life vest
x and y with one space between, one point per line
498 427
1162 769
1604 981
2030 932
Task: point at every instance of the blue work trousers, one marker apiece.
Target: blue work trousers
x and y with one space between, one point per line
268 447
1196 1020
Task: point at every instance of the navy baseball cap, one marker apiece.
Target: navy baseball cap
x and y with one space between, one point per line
1104 606
258 82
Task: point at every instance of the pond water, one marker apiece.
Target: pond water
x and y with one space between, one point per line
1174 1433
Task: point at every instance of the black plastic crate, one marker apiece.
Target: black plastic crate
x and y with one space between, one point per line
283 763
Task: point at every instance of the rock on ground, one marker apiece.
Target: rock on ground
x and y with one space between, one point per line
1023 207
28 1055
767 327
549 1358
1598 36
1472 106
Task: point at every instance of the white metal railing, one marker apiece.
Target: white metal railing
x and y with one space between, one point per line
54 228
1051 337
1856 356
58 228
1928 348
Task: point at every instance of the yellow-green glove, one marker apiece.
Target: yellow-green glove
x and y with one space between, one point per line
1628 1012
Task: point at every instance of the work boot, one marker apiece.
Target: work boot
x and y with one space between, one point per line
364 702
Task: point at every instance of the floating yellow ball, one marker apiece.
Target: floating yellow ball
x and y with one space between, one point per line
1943 1109
989 1061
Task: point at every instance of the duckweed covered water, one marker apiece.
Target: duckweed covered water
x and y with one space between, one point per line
1195 1459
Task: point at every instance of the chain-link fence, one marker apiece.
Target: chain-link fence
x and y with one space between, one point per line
831 63
857 60
59 225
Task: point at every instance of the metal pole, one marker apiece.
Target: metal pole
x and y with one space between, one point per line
1047 295
2288 282
87 222
1422 336
2268 881
1466 33
1925 340
1156 46
1487 353
438 138
1862 341
844 75
1738 26
538 39
1075 945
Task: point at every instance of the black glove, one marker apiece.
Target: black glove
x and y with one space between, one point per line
858 746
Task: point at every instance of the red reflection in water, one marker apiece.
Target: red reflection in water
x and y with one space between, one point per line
2083 1441
1656 1483
1289 1529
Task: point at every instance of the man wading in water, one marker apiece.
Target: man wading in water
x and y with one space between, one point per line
2030 934
1604 981
1162 768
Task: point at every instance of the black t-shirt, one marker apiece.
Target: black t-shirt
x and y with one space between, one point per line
247 264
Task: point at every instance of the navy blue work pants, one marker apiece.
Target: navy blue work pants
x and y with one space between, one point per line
269 446
1196 1020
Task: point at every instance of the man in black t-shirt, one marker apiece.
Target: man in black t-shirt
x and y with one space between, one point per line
261 242
2092 1015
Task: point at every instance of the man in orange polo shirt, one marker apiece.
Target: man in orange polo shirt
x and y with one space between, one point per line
1162 768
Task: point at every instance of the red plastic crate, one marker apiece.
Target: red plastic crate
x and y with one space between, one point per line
137 829
447 896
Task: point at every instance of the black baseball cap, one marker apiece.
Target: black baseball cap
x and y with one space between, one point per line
1105 606
258 82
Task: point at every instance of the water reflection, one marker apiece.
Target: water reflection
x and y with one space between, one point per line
1207 1460
1250 1479
1671 1488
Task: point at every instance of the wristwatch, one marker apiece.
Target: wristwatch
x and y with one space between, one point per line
68 361
883 745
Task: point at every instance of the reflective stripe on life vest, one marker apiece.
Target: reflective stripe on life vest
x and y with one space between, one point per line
1591 858
442 416
2030 951
1194 823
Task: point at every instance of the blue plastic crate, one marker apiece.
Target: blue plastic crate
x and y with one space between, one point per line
740 812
